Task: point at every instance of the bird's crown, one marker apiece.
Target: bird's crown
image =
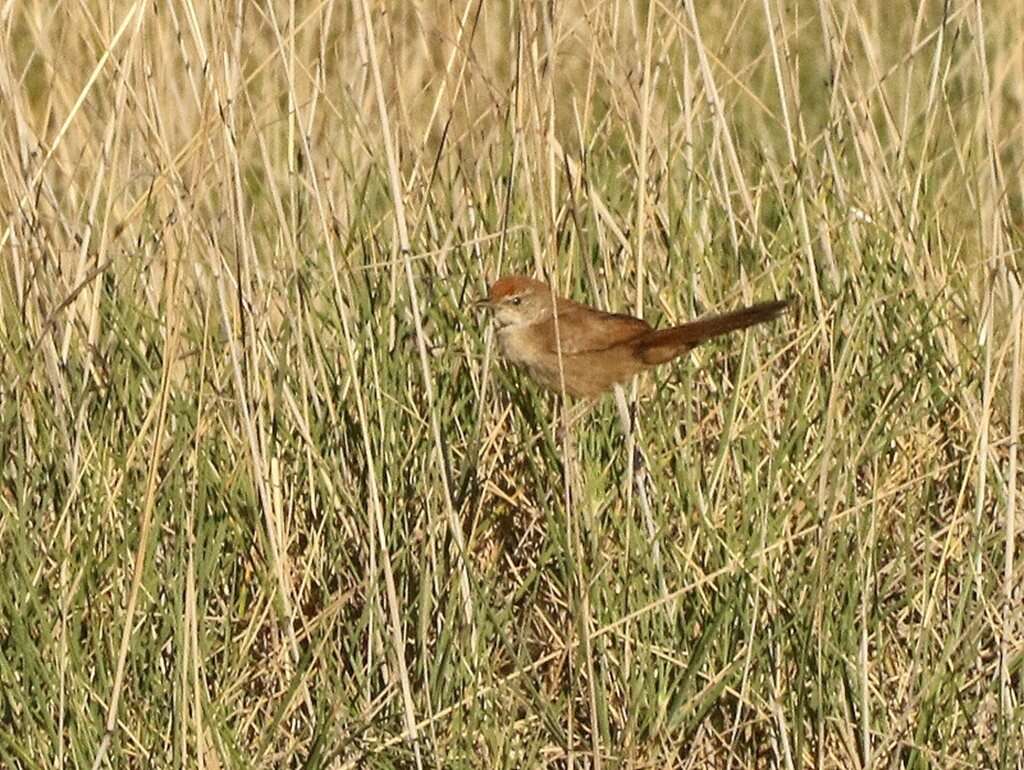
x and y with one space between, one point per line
513 285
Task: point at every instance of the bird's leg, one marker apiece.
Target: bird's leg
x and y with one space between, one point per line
639 460
627 422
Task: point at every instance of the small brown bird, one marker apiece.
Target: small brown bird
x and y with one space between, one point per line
598 349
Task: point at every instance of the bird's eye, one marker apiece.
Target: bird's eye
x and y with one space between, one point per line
515 300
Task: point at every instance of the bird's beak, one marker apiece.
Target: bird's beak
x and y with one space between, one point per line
482 304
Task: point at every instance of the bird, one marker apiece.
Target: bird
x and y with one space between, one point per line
598 350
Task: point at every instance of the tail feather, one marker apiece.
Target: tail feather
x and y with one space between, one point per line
661 345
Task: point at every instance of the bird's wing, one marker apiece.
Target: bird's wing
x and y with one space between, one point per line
585 330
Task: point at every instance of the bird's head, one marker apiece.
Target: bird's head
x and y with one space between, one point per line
517 300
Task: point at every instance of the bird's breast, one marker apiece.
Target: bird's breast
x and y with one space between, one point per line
516 344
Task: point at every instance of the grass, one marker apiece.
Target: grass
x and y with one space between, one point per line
269 499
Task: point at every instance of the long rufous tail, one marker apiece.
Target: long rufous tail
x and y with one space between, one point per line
661 345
